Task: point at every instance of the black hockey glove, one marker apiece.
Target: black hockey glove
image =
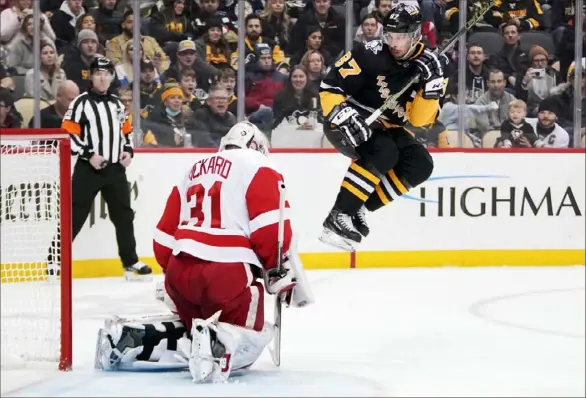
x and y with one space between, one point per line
353 126
432 74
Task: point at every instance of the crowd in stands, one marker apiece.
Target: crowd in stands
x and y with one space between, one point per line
518 86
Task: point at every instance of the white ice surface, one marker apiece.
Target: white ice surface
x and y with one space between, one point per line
380 332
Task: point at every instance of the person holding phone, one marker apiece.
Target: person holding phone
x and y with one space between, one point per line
537 81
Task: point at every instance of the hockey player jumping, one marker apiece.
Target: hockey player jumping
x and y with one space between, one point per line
389 160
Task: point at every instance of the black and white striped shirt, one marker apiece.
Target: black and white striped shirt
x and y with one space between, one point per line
98 124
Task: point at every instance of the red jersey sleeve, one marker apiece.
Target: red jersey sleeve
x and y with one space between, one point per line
262 200
164 237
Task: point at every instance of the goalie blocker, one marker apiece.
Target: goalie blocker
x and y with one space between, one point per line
227 243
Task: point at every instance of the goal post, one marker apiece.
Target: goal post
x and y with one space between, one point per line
35 220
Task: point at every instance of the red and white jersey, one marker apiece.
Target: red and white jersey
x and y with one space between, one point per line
225 209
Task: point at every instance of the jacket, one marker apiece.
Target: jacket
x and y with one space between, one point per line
210 127
334 31
115 49
261 88
20 53
109 22
48 86
163 131
63 22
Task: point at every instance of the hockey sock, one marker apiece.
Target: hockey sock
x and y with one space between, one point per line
357 186
390 188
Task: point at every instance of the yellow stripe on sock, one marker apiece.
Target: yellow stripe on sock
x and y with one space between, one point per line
365 173
382 195
397 183
354 191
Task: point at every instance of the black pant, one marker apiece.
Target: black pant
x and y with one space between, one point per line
112 182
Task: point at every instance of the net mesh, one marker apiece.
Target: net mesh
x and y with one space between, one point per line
29 229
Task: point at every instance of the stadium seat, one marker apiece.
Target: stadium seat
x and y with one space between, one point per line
453 140
489 139
26 108
491 42
542 39
18 92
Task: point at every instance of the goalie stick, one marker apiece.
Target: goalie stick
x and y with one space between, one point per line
390 101
276 349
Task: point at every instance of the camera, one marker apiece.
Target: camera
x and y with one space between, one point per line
539 72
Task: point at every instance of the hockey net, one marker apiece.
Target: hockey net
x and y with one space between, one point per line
35 220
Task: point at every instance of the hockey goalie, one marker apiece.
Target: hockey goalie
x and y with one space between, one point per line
217 243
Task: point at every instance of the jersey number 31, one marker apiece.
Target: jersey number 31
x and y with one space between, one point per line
206 213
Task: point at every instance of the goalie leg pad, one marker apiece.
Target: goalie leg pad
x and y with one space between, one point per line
123 344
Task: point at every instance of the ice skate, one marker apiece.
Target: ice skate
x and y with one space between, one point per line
359 222
339 231
138 272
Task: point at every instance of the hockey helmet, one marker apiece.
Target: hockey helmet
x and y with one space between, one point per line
245 135
404 18
102 63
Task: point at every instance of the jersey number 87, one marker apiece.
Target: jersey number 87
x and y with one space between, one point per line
205 213
351 70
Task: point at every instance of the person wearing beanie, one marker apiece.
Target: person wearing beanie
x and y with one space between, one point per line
549 133
213 46
535 83
76 63
165 125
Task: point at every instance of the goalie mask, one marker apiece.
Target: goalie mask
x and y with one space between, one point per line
402 30
245 135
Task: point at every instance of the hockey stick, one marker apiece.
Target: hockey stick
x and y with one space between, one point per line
389 102
276 351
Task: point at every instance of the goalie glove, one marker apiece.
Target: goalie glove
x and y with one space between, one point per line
353 127
281 282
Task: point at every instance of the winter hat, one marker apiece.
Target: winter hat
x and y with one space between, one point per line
537 50
548 104
214 22
262 49
86 34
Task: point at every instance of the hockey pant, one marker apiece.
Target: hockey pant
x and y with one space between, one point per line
387 166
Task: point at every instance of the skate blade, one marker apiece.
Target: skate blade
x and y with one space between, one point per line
134 277
330 238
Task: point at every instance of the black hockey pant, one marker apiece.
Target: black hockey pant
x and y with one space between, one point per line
112 182
388 165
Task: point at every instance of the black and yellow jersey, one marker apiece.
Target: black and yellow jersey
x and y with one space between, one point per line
529 12
366 76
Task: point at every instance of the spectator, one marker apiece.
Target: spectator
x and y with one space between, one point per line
20 49
9 116
563 96
11 18
64 20
187 59
550 134
52 116
565 50
170 24
313 41
493 119
213 47
511 60
165 126
332 24
227 80
315 67
370 29
188 84
76 64
150 88
151 49
452 15
381 8
5 4
535 84
276 23
476 75
125 70
109 20
52 76
295 102
213 120
516 132
525 14
210 8
125 95
253 38
449 114
5 79
86 21
262 84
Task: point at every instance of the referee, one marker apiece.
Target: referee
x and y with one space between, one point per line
100 137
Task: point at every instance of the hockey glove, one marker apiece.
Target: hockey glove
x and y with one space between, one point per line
354 129
281 282
431 71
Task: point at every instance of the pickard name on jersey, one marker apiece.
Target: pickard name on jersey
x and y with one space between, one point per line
366 76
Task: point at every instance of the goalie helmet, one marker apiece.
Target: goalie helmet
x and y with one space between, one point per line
245 135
